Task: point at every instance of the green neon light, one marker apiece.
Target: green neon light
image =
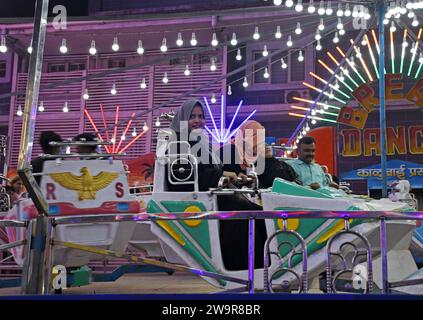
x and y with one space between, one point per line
412 59
418 70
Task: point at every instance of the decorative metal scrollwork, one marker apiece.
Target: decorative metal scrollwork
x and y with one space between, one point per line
280 270
362 276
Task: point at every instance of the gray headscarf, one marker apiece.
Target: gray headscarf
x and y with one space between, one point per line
184 114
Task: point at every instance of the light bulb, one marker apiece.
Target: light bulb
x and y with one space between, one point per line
86 96
347 11
193 41
163 47
321 11
63 48
336 84
112 140
392 28
335 38
213 65
405 44
157 122
92 49
341 76
339 12
411 14
311 7
277 2
409 5
265 52
300 56
229 90
145 127
234 41
3 46
313 112
186 71
122 137
358 54
19 112
29 49
413 48
313 121
214 41
165 78
143 84
298 29
41 106
140 49
299 7
321 25
278 33
325 106
341 32
318 35
283 64
340 25
298 140
318 46
115 45
65 107
213 98
238 55
245 83
367 15
415 22
256 34
266 73
385 21
289 42
179 42
355 12
113 91
329 9
134 132
289 3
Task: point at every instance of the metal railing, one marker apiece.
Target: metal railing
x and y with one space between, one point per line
248 285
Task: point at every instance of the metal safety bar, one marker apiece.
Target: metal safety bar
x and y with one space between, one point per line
81 155
79 143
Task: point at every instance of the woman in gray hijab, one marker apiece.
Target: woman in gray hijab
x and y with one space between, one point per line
188 125
233 233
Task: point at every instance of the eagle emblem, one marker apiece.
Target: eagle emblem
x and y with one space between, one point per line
86 184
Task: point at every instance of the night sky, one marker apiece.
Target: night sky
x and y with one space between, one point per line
25 8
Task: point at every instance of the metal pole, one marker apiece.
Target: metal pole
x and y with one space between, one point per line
35 283
34 276
31 101
381 14
384 255
251 254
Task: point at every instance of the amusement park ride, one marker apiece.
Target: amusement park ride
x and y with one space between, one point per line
83 209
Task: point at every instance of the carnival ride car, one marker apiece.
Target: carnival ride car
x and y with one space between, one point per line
99 187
